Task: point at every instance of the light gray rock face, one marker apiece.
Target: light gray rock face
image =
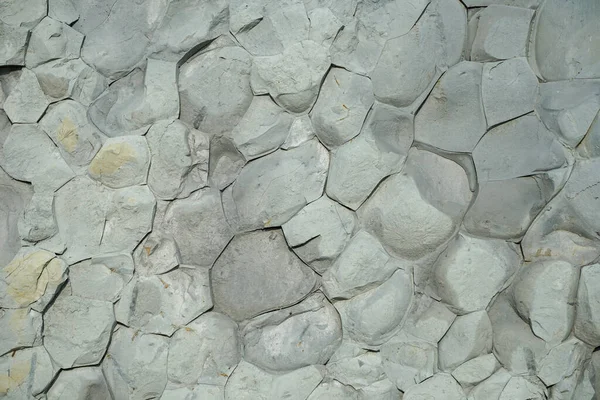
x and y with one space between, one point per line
14 197
375 316
198 226
17 13
293 77
342 106
249 382
101 278
179 159
587 326
324 26
469 336
26 373
492 387
471 271
452 117
14 44
514 3
258 273
80 384
378 151
359 372
63 11
357 47
157 254
271 190
214 89
568 49
441 386
206 351
320 232
225 162
392 19
26 102
135 365
71 337
333 390
300 132
19 328
161 303
37 221
563 360
302 335
200 392
428 319
51 40
502 33
121 162
476 370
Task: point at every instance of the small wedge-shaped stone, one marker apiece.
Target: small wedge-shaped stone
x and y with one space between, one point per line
393 18
26 102
67 125
205 351
14 197
428 319
300 132
25 373
358 372
37 221
215 89
333 390
544 294
80 384
72 338
508 90
19 328
272 189
135 365
198 226
452 117
157 254
469 336
562 361
492 387
319 232
357 48
587 322
257 273
375 316
476 370
18 13
502 33
379 150
324 26
122 161
305 334
161 303
441 386
382 390
63 11
514 3
362 265
518 148
31 279
13 44
133 105
471 271
95 280
225 162
525 388
51 40
293 77
264 127
342 106
251 383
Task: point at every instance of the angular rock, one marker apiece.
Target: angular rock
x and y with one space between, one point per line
358 372
469 336
200 392
492 387
101 278
251 383
67 125
514 3
408 361
121 162
72 338
362 265
135 365
51 40
263 128
302 335
300 132
14 44
157 254
319 232
343 10
225 162
393 18
382 390
357 48
505 152
502 33
198 226
342 106
544 294
15 12
562 361
587 325
14 197
519 387
471 271
63 11
293 77
26 103
324 26
333 390
25 373
271 190
214 88
19 328
379 150
37 221
476 370
508 90
80 384
161 303
375 316
206 351
258 273
428 319
452 117
441 386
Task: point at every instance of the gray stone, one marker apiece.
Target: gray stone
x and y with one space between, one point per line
214 88
393 18
25 373
26 103
206 351
63 11
293 77
101 278
324 26
452 117
80 384
476 370
15 12
14 197
319 232
502 33
51 40
271 190
508 90
225 162
333 390
343 9
523 388
72 338
162 303
359 372
357 48
469 336
198 226
135 365
200 392
302 335
157 254
428 319
37 221
19 328
441 386
492 387
258 273
587 325
300 132
14 44
382 390
379 150
514 3
562 361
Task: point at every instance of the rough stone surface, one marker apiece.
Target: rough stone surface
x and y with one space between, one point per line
26 102
469 336
80 384
587 324
51 40
121 162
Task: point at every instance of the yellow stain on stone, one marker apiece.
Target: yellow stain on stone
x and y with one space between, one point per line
67 135
13 378
27 277
111 157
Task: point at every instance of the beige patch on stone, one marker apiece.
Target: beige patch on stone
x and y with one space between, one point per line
110 158
27 277
67 135
18 373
